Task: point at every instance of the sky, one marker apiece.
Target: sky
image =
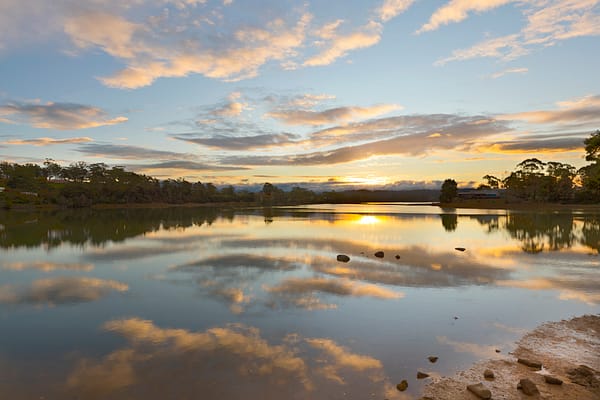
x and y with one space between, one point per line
394 94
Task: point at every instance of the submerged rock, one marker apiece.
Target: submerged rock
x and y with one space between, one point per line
552 380
432 359
422 375
528 387
530 363
402 386
379 254
479 390
343 258
488 374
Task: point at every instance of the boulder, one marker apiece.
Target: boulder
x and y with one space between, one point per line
552 380
422 375
379 254
402 386
479 390
488 374
397 256
432 359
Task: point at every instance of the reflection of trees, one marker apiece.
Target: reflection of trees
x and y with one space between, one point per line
590 232
449 221
492 222
96 227
539 231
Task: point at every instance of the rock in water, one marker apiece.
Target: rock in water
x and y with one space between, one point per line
552 380
402 386
530 363
422 375
432 359
343 258
528 387
379 254
397 256
479 390
460 249
488 374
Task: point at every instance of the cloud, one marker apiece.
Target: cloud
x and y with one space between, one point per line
46 141
46 266
63 290
458 10
581 110
338 45
534 146
332 115
499 74
124 152
184 166
242 142
233 55
548 23
338 287
410 135
61 116
391 8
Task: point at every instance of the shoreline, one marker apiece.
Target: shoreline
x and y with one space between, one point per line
567 349
502 204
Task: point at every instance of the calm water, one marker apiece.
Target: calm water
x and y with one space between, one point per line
200 303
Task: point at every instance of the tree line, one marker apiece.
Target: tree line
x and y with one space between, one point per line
538 181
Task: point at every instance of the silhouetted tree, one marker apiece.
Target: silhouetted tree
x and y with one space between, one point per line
448 191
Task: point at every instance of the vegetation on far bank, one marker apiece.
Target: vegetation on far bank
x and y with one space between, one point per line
534 181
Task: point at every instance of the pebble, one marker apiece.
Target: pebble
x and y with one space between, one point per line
530 363
488 374
397 256
422 375
460 248
379 254
343 258
528 387
432 359
402 386
479 390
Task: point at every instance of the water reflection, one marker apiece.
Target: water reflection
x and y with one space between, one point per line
62 290
233 361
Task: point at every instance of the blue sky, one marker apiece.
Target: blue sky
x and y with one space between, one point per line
393 93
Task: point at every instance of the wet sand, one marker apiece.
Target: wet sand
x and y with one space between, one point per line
562 347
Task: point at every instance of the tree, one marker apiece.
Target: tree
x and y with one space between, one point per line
449 191
492 181
592 147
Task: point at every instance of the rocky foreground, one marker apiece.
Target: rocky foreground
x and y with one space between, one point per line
556 361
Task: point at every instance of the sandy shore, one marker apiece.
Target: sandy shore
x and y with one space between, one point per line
561 347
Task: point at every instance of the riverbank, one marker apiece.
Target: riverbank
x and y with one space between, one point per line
568 350
503 204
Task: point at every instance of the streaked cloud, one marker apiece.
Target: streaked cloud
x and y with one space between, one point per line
338 287
332 115
183 166
548 23
458 10
241 142
339 45
47 141
534 146
61 116
126 152
63 290
581 110
499 74
392 8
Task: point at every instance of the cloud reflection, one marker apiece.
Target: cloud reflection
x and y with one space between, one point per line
47 266
63 290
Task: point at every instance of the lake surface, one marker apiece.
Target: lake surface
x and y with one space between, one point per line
189 303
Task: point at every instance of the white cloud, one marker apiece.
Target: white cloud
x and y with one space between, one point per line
391 8
499 74
458 10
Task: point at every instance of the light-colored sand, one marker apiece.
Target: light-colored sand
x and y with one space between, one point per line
559 346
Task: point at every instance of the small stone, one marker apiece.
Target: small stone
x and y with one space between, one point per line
488 374
422 375
402 386
397 256
379 254
455 317
530 363
552 380
343 258
479 390
460 249
528 387
432 359
497 350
